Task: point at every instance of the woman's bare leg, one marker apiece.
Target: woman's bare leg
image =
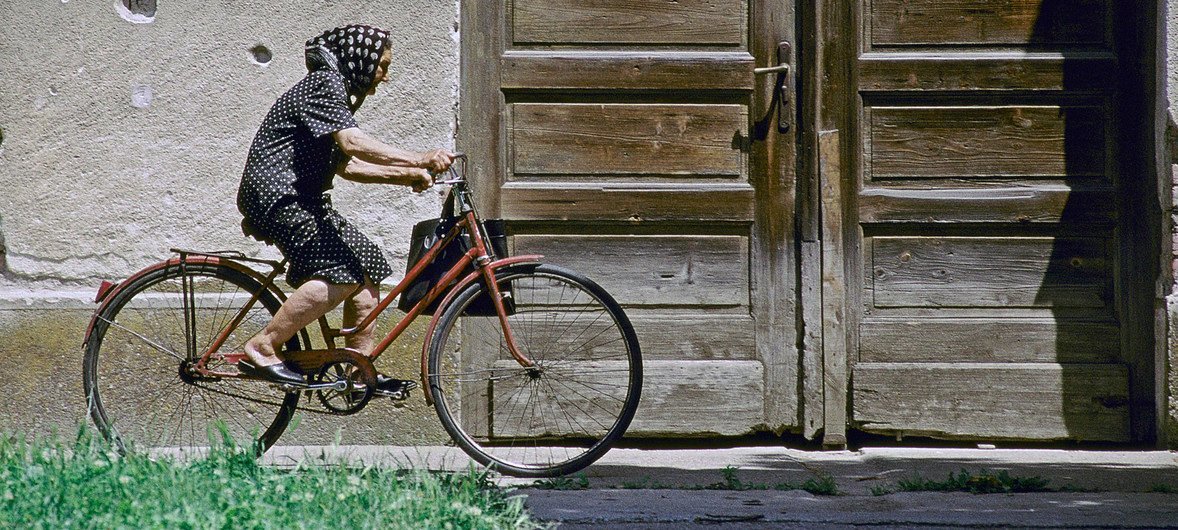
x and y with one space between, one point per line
356 309
310 301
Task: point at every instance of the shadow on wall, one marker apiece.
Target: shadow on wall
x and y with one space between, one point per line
1101 268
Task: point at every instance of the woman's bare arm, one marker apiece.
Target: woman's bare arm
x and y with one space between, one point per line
357 170
359 145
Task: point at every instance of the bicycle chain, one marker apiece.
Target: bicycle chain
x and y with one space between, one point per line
271 403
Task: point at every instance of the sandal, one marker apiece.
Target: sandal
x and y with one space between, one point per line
274 373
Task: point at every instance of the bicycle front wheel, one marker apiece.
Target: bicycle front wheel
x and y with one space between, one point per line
136 373
553 418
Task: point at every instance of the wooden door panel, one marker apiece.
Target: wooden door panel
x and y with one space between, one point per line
627 70
674 394
664 271
1018 22
628 22
591 141
1041 401
988 70
988 340
1014 142
996 272
988 203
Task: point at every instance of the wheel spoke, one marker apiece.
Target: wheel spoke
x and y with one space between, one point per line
152 400
545 422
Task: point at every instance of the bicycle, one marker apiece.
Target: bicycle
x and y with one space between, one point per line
534 370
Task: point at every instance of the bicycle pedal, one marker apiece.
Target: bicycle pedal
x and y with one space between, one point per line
395 395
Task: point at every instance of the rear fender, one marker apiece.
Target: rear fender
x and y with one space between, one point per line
107 291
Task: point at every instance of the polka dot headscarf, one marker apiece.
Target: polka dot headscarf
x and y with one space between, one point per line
354 51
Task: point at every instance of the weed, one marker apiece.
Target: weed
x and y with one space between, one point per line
84 483
730 481
1162 488
982 482
563 483
820 484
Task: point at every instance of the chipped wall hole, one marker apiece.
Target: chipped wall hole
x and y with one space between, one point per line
261 54
136 11
140 7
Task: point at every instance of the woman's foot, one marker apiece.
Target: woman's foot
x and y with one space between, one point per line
268 367
274 373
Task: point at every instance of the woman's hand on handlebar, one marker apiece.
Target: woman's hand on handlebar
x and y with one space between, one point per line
420 179
436 161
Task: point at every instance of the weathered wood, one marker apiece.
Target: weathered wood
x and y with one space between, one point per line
668 153
834 282
994 401
989 340
709 397
1008 205
987 126
990 272
481 109
1041 71
627 139
615 70
716 22
773 172
1016 141
813 386
654 270
587 202
694 335
1040 22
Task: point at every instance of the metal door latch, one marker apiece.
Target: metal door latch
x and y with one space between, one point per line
782 72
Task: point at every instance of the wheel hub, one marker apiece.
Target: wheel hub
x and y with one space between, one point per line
190 375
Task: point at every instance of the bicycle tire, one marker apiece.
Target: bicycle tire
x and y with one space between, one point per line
548 422
137 393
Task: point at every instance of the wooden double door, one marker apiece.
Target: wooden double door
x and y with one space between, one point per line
921 227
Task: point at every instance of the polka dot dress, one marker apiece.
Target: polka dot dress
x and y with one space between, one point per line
290 168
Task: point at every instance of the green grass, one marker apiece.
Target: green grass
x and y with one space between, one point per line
82 483
979 482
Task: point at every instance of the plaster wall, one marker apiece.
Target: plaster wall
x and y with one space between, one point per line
122 139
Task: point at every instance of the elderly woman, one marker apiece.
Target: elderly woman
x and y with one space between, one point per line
307 138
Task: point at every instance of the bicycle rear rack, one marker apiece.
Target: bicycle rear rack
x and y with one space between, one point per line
229 254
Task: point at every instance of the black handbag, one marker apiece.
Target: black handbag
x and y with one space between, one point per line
430 232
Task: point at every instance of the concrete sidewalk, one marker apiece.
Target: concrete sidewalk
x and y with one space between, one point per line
654 488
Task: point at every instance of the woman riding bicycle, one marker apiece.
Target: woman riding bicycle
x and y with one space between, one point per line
307 138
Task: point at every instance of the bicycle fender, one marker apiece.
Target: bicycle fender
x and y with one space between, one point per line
526 259
107 292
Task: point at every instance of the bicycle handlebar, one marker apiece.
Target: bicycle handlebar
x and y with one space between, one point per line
459 176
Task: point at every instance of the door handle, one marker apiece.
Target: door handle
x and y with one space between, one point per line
779 69
782 94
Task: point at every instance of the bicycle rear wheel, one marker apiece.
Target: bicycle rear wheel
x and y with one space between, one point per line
557 417
139 391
